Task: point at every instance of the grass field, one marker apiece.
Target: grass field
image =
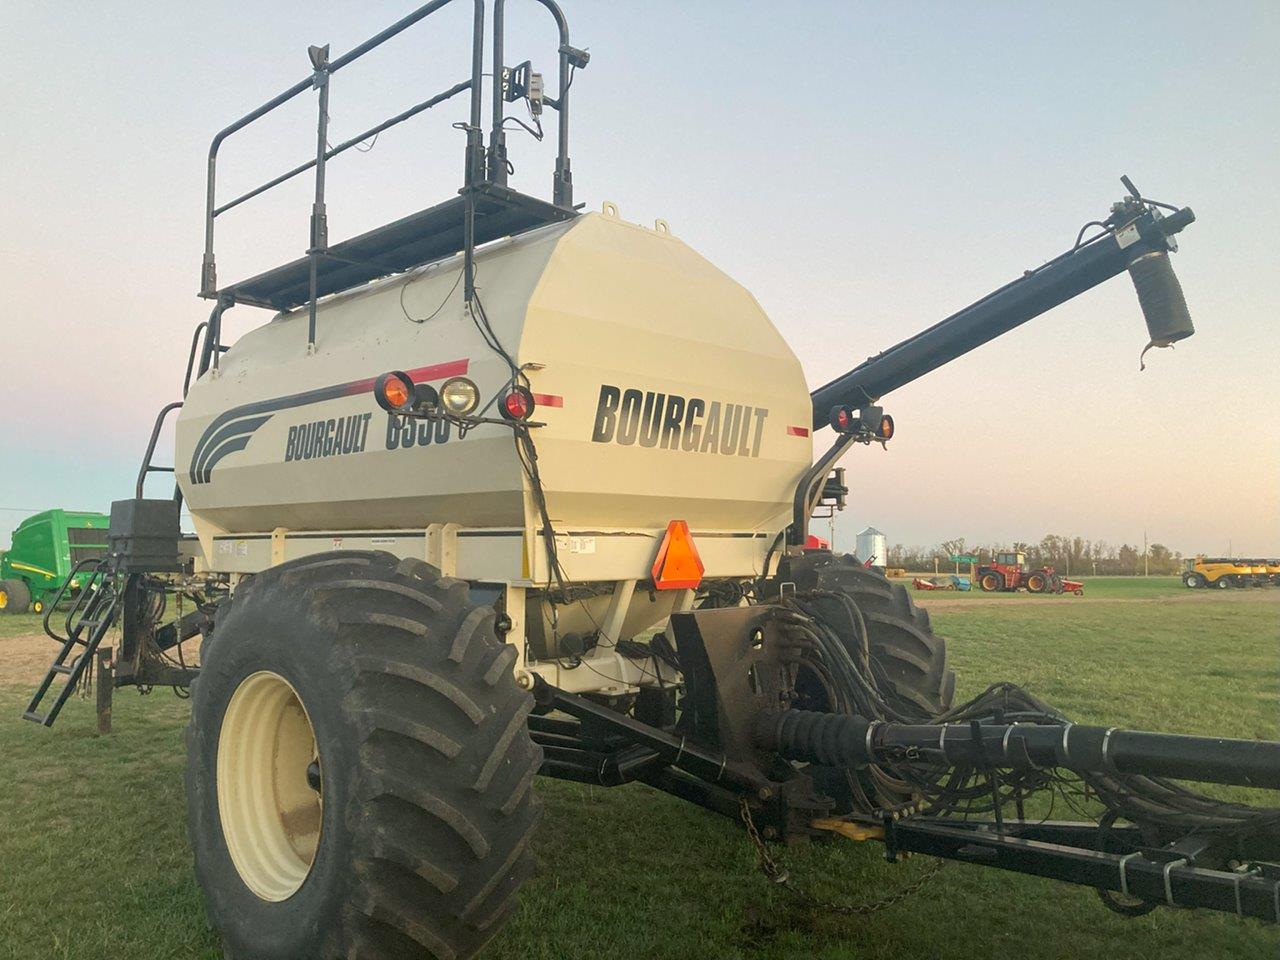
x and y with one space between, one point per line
95 863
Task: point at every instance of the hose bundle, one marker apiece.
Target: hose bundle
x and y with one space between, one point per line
842 677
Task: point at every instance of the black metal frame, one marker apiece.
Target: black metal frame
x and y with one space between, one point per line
598 745
1065 851
484 186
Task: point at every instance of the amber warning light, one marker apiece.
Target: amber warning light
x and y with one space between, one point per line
678 566
397 393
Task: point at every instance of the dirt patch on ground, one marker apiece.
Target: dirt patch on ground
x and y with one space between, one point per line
24 659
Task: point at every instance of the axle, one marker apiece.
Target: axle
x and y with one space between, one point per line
1137 239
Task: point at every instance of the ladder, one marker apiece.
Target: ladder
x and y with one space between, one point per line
92 614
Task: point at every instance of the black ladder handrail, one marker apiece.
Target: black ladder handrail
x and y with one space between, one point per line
147 467
58 597
98 615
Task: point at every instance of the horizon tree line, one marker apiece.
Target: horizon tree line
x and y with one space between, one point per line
1067 555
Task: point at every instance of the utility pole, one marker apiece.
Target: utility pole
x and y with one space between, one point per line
1146 563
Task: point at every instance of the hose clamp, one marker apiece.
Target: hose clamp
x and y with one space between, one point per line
871 728
1168 887
1124 878
1004 741
1106 744
1244 876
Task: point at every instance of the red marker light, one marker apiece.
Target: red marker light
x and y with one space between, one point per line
518 404
843 419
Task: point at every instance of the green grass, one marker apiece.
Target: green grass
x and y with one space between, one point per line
95 862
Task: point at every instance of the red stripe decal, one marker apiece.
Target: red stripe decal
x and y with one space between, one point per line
548 400
797 431
436 371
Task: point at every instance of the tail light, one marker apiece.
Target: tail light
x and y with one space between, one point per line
517 404
844 419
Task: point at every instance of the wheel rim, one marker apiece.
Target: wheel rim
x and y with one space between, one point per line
269 810
4 599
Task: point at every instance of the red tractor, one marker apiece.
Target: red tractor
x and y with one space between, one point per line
1008 572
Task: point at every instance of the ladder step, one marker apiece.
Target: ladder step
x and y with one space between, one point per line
35 717
62 668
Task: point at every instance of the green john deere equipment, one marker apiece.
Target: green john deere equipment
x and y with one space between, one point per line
51 553
506 488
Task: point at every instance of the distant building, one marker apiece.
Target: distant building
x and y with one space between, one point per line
873 546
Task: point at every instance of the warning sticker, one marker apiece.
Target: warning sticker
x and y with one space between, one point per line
1128 236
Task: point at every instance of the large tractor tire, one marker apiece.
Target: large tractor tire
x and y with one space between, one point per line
1223 582
359 771
905 652
1038 582
991 582
15 596
1194 580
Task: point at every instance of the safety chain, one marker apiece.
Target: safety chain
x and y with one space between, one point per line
776 874
768 866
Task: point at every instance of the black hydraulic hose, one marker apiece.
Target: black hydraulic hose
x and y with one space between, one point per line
846 741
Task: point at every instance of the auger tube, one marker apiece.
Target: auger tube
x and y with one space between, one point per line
1061 279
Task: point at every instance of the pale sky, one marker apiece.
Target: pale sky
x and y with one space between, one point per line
863 169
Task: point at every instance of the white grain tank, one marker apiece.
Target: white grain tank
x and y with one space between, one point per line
871 545
665 391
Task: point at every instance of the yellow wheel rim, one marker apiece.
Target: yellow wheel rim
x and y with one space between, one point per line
269 811
4 599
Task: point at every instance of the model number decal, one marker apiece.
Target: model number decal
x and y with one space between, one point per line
673 422
406 432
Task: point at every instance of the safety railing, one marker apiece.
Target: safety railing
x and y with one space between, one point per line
477 172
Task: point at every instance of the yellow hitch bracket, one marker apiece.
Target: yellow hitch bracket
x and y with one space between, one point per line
848 829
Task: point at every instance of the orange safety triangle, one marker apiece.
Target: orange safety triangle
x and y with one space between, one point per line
678 566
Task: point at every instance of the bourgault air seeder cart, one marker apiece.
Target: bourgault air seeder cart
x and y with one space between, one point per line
507 489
